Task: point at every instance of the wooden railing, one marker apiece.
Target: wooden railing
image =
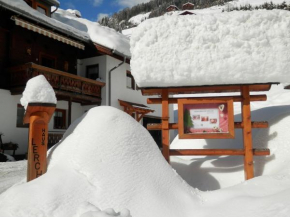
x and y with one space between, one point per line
59 80
54 138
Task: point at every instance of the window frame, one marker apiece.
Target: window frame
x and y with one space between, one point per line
20 125
92 66
129 75
64 113
47 56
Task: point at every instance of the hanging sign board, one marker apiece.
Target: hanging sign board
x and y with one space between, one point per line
205 119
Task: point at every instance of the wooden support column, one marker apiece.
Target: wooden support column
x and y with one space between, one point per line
165 124
69 111
247 133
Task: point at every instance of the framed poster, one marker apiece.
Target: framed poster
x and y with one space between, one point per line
205 119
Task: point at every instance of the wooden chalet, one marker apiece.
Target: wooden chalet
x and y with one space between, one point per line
188 6
172 8
29 48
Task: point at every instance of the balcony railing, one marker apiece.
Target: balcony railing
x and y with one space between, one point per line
61 81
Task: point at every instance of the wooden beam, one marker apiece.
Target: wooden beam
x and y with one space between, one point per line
217 152
254 124
172 126
253 98
165 125
77 97
238 125
205 89
247 133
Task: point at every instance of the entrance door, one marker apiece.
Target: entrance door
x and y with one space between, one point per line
156 134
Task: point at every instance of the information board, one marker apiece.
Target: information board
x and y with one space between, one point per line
205 119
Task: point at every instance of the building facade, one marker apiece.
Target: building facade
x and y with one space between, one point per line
82 74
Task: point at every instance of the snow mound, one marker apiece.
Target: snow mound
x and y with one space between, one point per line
99 34
38 90
106 159
226 48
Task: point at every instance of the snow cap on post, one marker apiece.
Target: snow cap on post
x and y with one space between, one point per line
38 90
240 47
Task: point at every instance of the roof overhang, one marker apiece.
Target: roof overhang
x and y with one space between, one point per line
35 28
107 51
139 109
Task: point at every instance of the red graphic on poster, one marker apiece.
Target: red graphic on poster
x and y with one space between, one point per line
206 118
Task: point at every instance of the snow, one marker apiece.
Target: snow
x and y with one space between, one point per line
255 2
109 160
22 7
121 167
136 20
70 24
226 48
11 173
74 12
38 90
99 34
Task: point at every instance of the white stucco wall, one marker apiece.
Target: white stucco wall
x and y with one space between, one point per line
118 84
8 118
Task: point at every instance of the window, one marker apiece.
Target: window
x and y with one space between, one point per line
59 119
130 82
93 71
47 60
65 66
20 116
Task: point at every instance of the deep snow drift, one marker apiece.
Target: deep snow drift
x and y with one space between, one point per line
226 48
106 160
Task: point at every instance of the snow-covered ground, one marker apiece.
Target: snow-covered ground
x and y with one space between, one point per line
121 167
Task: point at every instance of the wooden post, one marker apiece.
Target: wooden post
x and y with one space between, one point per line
247 133
165 124
69 112
38 116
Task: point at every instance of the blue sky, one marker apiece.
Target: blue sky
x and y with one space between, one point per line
95 9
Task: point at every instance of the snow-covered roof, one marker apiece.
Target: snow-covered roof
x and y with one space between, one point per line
172 6
54 2
20 7
68 23
99 34
188 3
226 48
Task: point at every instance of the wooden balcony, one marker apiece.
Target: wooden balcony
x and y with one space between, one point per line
67 86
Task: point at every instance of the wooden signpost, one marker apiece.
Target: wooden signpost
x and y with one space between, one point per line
38 116
209 118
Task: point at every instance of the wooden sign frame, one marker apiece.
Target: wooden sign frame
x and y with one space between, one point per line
226 108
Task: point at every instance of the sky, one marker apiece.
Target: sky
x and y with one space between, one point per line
96 9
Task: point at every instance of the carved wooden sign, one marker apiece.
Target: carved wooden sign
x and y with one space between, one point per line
38 116
205 119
